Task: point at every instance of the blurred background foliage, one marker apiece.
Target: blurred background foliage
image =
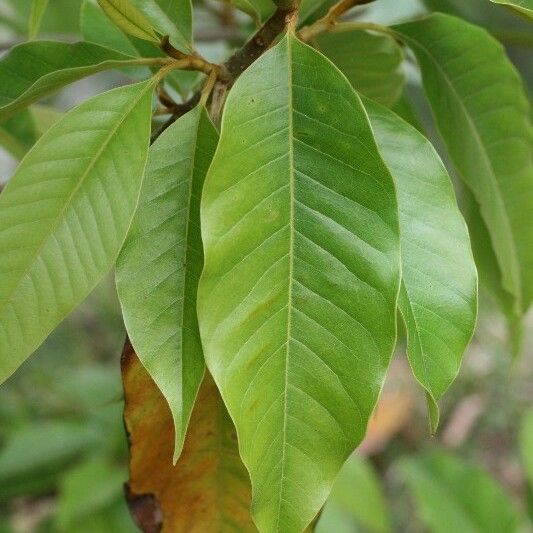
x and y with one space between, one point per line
63 450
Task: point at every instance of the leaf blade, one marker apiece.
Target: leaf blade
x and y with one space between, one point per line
38 8
269 297
129 19
444 296
372 63
162 256
45 66
83 198
483 94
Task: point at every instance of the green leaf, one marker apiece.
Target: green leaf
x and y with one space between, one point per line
17 134
357 493
38 8
526 444
438 297
65 215
525 7
372 63
159 266
451 495
97 28
43 67
299 289
33 456
158 18
86 490
479 105
179 12
129 19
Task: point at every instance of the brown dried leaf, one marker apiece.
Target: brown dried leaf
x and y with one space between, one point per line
208 490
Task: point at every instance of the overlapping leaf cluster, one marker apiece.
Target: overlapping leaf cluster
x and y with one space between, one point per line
277 248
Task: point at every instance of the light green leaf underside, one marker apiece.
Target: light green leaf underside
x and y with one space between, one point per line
65 214
97 28
297 299
179 13
483 115
31 71
358 495
451 495
129 19
163 25
38 8
372 63
161 261
522 6
438 297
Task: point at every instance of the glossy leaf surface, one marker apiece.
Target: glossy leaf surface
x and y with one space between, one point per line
42 67
479 105
129 19
208 490
297 299
451 495
65 215
161 261
372 63
438 298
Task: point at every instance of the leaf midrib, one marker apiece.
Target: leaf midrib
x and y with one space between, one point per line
290 138
55 223
486 159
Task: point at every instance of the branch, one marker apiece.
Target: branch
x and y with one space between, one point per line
328 21
261 41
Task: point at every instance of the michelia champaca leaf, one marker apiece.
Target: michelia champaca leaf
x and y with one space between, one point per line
482 112
372 63
37 10
65 215
298 295
525 7
452 495
438 297
31 71
129 19
161 14
159 266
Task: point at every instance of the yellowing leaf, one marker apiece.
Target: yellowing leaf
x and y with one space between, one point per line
208 491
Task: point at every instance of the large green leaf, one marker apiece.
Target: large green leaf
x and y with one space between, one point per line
451 495
65 214
483 115
372 63
525 7
159 266
129 19
438 298
33 70
38 8
298 296
358 496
